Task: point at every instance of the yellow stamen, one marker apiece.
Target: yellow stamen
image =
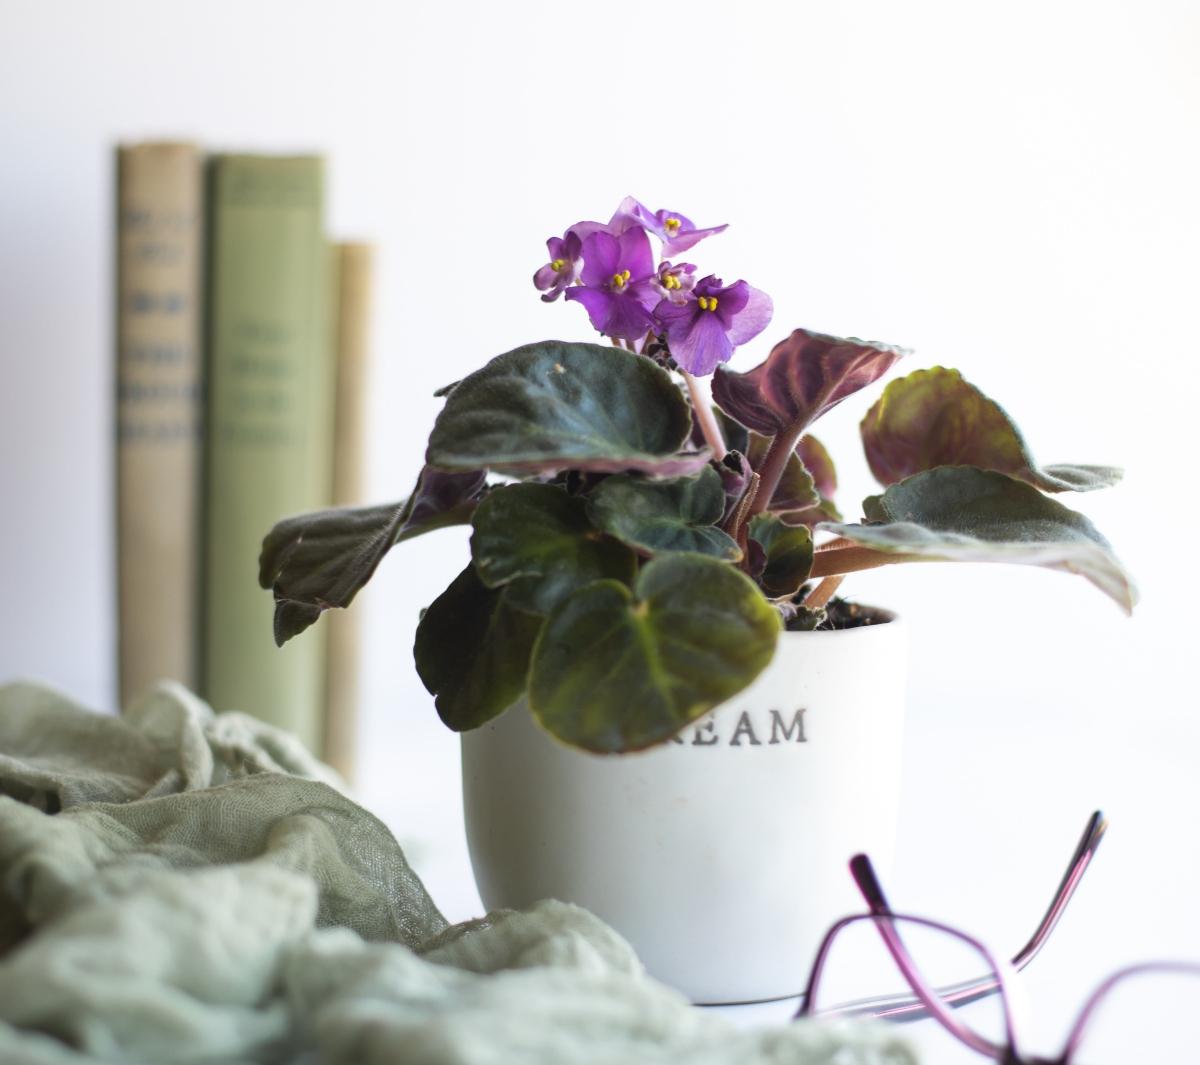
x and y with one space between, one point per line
707 303
618 280
625 274
557 265
672 224
672 282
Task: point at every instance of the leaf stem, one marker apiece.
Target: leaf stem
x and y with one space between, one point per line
774 463
841 560
705 417
823 592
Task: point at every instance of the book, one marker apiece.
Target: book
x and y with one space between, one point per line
159 307
270 422
353 273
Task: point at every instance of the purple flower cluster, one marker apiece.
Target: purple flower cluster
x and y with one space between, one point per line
610 269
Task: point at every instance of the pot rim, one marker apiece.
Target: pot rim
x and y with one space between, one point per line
891 620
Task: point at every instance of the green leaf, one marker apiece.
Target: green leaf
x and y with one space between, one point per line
554 406
538 540
472 651
962 514
618 671
316 561
654 516
789 554
935 418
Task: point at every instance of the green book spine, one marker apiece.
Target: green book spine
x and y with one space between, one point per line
270 425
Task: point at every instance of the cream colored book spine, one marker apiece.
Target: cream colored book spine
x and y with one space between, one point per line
353 286
158 411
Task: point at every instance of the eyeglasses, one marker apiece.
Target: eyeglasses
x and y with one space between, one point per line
940 972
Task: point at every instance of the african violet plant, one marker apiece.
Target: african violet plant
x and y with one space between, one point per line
637 553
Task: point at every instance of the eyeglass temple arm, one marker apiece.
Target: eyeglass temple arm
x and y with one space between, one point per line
872 891
1093 833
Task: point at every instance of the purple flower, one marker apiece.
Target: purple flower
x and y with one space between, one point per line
703 332
675 283
563 268
677 232
618 290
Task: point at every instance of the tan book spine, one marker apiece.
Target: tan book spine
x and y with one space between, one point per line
353 284
159 411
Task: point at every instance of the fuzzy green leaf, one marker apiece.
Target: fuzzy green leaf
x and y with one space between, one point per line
615 670
963 514
789 554
316 561
472 651
654 516
935 418
537 540
555 406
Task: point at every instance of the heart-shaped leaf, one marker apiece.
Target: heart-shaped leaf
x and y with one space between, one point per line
320 560
803 377
935 418
537 540
788 551
472 651
655 516
619 671
962 514
554 406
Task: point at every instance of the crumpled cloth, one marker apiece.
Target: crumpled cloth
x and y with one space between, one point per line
181 886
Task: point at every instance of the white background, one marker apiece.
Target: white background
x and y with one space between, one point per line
1006 188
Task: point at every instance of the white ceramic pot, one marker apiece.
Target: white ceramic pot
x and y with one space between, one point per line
720 856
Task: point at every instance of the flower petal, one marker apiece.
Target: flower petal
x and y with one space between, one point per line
636 256
627 318
701 348
596 301
685 240
630 213
601 257
754 317
545 277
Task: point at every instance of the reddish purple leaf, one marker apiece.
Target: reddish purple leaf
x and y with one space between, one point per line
803 377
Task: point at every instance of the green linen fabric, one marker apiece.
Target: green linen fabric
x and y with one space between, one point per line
182 886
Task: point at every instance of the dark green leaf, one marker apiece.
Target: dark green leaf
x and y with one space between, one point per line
316 561
654 516
962 514
789 554
539 538
935 418
554 406
612 672
472 651
803 377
